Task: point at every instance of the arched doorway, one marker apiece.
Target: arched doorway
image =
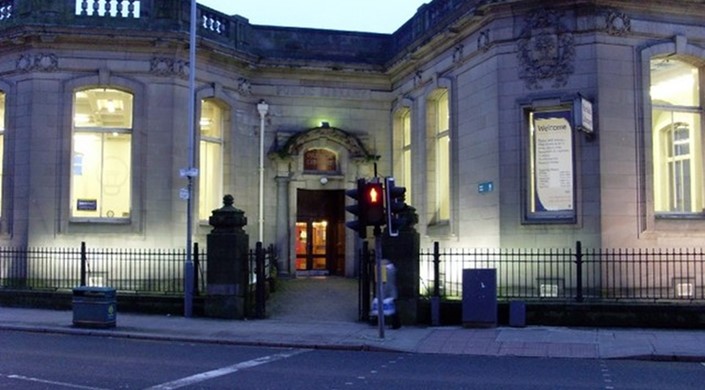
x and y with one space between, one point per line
315 168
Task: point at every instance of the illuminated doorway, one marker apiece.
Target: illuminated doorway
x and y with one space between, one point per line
320 233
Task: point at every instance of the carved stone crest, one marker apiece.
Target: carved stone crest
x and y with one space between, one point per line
618 23
42 62
546 50
168 67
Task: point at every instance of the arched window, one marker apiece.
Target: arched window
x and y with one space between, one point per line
320 160
210 177
677 138
101 172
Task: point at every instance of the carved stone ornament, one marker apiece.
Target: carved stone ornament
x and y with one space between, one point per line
458 53
546 50
618 23
418 78
169 67
39 62
483 41
296 143
244 87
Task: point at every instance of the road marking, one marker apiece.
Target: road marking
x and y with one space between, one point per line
53 383
204 376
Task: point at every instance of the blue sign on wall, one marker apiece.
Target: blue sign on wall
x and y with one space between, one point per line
487 186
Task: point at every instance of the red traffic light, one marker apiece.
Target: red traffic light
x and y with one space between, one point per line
374 201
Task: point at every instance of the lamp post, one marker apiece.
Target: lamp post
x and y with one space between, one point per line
263 108
190 172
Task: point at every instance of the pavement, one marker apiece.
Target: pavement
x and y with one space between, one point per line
303 326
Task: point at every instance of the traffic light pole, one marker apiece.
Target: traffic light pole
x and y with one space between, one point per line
378 264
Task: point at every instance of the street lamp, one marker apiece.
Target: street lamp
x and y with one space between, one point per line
263 108
190 172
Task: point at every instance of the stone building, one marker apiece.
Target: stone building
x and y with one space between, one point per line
512 123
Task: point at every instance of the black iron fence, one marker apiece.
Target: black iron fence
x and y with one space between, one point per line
574 274
141 271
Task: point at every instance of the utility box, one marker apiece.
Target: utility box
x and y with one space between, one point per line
94 307
480 298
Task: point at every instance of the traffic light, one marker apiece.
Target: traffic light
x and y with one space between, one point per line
357 209
374 204
394 197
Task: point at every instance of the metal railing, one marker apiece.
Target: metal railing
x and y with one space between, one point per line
571 274
139 271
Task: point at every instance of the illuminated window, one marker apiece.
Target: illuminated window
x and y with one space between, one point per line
402 156
439 158
101 170
320 160
676 126
210 177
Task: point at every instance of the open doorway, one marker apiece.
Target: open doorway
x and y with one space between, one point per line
320 232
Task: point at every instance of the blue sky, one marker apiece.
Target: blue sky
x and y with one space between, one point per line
381 16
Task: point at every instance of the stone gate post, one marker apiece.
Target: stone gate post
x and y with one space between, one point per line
228 265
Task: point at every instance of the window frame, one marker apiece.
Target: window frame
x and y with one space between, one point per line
402 152
205 211
659 163
101 131
438 215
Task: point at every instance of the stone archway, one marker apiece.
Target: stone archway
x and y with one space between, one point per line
296 177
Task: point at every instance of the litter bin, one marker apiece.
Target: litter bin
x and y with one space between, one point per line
94 307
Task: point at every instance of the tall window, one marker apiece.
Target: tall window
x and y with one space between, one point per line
442 145
677 137
210 177
402 158
439 157
101 169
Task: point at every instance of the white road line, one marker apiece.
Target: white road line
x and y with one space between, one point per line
53 383
204 376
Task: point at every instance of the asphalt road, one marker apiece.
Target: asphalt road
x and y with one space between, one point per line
49 361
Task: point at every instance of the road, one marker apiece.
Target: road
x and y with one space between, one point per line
54 361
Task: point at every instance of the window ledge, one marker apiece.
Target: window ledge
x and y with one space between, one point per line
680 216
102 221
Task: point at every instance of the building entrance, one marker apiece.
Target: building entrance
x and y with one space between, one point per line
320 232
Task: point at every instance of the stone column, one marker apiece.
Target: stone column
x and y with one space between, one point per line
283 227
228 264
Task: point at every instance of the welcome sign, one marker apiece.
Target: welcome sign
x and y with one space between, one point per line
553 172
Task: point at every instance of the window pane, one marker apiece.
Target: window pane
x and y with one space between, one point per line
406 129
102 108
210 178
101 175
444 178
443 113
677 165
675 83
402 151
